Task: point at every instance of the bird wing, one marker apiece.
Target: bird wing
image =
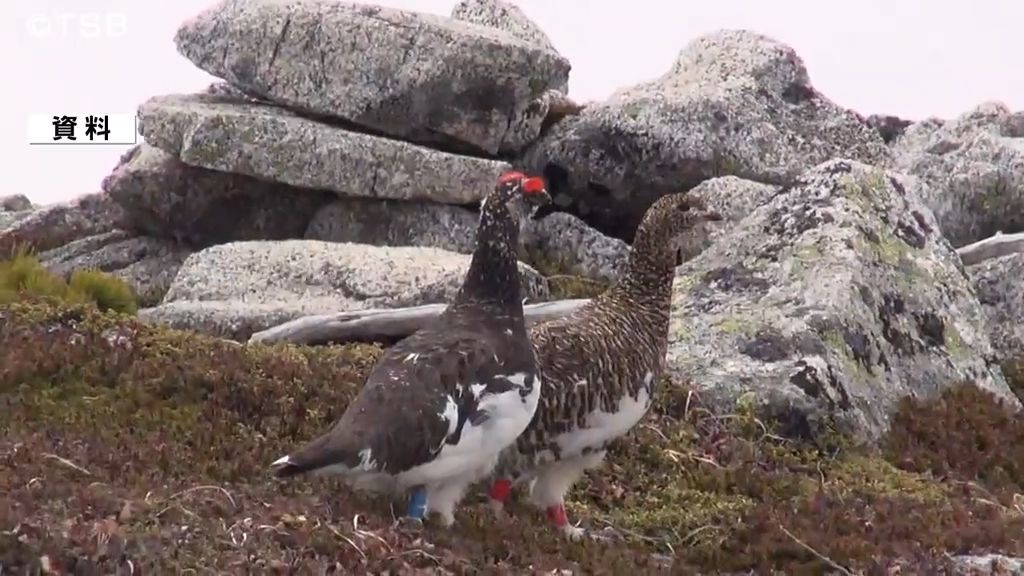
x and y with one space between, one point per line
422 393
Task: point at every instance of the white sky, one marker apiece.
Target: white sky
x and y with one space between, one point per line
913 58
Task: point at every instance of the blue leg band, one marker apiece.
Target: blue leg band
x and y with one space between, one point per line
417 503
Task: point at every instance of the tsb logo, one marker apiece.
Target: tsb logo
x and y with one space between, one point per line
77 25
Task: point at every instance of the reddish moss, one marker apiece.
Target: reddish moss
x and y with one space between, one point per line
967 434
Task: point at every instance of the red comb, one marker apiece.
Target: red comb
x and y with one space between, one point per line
533 185
509 176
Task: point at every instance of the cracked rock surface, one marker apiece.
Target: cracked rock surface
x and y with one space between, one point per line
827 305
419 77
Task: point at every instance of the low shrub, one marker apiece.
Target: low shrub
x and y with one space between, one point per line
126 442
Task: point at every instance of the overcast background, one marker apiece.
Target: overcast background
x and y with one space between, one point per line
912 58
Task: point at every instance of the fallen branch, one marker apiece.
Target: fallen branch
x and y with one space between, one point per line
386 324
993 247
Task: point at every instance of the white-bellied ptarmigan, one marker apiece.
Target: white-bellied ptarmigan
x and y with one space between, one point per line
439 406
601 364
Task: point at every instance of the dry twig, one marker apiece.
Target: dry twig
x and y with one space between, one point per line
68 463
832 563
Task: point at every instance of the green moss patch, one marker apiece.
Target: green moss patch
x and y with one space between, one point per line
23 277
128 446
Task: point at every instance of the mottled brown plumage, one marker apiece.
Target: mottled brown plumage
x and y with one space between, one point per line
601 365
438 406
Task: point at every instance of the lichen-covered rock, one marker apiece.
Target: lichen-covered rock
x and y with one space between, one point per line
734 103
15 203
828 305
734 198
395 223
58 224
1001 291
167 198
272 143
510 18
987 565
564 242
974 168
9 219
236 289
419 77
146 264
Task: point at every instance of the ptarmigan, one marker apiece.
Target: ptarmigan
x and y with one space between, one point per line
601 365
440 405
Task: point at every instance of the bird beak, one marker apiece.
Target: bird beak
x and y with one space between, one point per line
539 198
712 216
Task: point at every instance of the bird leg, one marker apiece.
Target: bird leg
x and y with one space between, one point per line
500 491
549 493
417 507
445 496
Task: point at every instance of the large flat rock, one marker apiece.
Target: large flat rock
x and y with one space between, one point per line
973 166
734 103
828 304
395 223
235 289
166 198
271 143
419 77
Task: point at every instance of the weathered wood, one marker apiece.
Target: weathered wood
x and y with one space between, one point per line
386 324
993 247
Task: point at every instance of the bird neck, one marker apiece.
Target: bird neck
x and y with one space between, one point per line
648 277
493 276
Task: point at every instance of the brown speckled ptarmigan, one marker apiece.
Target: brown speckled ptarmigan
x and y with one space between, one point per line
601 365
440 405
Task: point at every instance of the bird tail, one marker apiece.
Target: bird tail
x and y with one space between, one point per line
327 450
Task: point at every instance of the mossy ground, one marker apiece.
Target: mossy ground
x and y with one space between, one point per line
130 447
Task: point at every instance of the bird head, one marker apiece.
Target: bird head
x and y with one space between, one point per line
673 216
516 185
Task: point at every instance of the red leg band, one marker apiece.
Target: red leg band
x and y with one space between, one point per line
501 489
557 515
